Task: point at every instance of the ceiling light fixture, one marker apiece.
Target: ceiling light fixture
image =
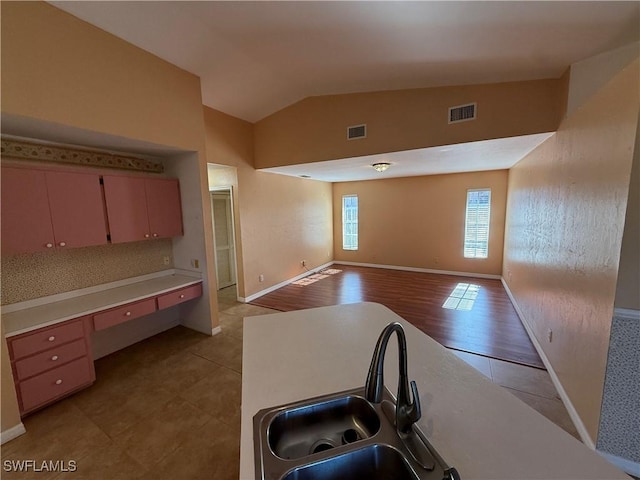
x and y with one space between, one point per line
381 167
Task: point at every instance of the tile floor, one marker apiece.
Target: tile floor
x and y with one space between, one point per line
169 407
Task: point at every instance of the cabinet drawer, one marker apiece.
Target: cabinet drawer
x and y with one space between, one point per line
178 296
124 313
55 383
44 339
27 367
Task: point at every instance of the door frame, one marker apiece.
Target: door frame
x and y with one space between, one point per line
229 189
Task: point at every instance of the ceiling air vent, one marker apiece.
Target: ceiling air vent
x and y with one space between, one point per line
463 113
357 131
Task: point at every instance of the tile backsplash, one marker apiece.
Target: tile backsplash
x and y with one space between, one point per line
34 275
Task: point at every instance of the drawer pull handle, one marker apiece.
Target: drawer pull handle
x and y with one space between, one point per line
128 314
182 296
62 244
146 235
51 338
59 382
49 245
54 358
155 234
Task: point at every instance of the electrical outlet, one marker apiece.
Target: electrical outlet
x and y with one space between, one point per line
166 259
195 263
261 278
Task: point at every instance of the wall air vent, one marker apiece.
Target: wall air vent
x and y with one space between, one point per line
463 113
357 131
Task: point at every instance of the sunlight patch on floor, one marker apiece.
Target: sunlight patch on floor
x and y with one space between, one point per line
462 297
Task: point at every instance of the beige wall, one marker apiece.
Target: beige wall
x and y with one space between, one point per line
314 129
282 220
628 286
563 234
59 70
419 221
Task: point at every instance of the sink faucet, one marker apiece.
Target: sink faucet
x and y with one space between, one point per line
407 412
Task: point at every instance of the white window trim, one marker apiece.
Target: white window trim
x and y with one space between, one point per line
466 226
344 243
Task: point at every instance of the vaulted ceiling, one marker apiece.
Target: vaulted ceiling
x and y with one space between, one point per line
255 58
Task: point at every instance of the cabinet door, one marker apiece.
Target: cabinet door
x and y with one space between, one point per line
77 210
26 222
126 208
165 210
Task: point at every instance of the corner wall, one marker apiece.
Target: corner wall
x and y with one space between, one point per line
565 217
283 220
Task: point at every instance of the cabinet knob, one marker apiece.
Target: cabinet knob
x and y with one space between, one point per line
59 382
62 244
146 235
54 358
155 234
128 314
51 338
49 245
182 296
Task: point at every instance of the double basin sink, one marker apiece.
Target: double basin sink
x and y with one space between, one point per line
342 436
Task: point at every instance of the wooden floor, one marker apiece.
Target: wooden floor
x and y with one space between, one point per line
479 319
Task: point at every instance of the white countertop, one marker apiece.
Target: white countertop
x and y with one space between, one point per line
28 319
478 428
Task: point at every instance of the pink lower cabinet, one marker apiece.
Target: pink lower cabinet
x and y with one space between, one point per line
170 299
51 362
46 387
127 312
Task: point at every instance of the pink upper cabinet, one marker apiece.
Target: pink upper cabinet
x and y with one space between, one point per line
140 208
126 208
44 210
77 210
163 205
26 221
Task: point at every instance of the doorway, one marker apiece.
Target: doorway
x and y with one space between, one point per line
224 236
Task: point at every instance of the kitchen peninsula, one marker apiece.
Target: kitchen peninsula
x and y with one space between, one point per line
478 428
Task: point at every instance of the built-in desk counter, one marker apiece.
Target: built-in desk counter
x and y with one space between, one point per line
49 339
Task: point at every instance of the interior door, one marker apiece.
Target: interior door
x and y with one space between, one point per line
224 239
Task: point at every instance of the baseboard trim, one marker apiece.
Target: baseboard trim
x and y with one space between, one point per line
626 313
573 413
628 466
420 270
12 433
250 298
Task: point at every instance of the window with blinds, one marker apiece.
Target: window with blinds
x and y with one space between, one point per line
477 219
350 222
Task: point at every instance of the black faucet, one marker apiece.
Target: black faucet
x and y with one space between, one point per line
407 412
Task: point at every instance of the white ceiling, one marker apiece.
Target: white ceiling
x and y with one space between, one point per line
255 58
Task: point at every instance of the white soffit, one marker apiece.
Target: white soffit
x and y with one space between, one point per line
498 154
